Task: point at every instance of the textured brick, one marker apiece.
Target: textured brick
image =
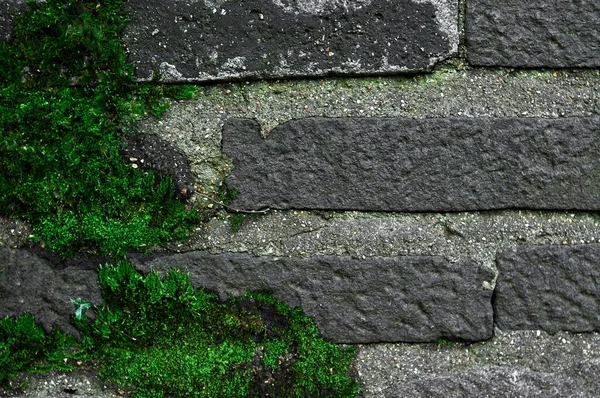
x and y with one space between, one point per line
208 40
559 33
43 285
549 287
394 164
374 299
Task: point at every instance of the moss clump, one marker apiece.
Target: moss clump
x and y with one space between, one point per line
160 337
67 96
25 346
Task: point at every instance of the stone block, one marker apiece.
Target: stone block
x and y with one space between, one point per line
220 39
43 285
533 34
397 164
374 299
551 288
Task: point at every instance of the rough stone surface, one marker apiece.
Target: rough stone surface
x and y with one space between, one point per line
149 152
548 287
8 10
215 40
511 364
43 285
451 164
195 126
529 34
64 384
453 236
356 300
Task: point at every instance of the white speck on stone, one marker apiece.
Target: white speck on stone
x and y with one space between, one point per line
319 7
234 64
169 71
446 15
155 32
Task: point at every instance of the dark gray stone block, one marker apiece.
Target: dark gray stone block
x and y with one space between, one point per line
43 285
449 164
221 39
413 299
551 288
533 33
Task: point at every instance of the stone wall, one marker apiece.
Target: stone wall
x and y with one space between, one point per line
419 180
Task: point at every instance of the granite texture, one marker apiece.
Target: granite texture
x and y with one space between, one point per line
548 287
373 299
397 164
531 34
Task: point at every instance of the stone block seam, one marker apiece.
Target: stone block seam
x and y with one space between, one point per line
375 299
224 40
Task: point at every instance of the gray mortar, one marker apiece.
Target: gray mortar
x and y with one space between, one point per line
14 233
195 126
454 236
386 368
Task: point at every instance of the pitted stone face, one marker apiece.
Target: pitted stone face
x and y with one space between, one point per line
207 40
399 164
533 34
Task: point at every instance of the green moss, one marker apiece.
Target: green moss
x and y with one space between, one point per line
67 97
25 346
160 337
236 221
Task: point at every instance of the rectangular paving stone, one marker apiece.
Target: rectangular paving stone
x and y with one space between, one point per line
412 299
551 288
220 39
560 33
396 164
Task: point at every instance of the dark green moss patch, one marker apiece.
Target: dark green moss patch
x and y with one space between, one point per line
25 346
159 337
67 97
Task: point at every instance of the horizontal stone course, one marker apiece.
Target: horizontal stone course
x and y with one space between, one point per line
207 40
215 40
396 164
518 33
374 299
550 288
